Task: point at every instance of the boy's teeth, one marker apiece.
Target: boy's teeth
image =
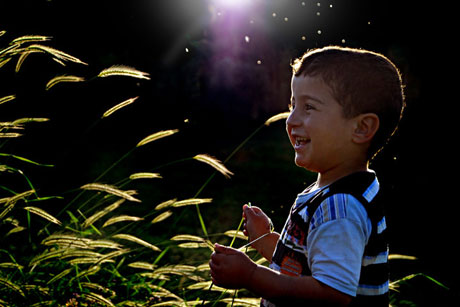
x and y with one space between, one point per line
300 140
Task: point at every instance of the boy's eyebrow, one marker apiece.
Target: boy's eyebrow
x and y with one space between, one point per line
308 97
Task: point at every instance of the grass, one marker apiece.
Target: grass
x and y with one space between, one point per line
91 252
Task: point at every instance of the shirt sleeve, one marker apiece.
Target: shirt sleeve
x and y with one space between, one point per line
336 243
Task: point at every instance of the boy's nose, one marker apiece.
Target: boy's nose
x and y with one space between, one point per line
292 119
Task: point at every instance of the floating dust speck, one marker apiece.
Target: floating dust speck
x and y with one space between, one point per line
319 32
304 37
318 14
187 50
259 62
251 21
330 5
343 41
286 19
303 3
369 22
274 14
318 4
247 39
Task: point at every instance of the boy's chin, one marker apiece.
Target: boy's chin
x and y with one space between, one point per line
301 162
305 163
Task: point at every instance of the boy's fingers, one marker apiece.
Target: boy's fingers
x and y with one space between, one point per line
250 212
220 249
245 208
246 211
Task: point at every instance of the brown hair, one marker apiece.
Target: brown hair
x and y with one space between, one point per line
362 82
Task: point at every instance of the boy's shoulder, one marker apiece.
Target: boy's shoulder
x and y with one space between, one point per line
364 186
347 198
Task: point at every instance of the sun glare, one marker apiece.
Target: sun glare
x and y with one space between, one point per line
232 3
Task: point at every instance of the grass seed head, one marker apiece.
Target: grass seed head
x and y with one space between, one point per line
156 136
216 164
277 117
119 106
123 70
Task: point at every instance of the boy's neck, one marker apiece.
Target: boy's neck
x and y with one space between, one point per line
330 176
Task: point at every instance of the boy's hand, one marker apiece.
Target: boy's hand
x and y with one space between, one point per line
231 268
256 224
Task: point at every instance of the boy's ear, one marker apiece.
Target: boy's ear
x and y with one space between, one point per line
366 125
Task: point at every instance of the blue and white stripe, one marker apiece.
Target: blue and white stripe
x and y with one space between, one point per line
372 190
373 290
380 258
333 208
382 225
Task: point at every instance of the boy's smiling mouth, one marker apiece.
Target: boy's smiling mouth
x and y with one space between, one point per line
300 142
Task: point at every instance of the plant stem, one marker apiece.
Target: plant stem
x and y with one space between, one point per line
237 230
203 226
243 143
95 180
114 164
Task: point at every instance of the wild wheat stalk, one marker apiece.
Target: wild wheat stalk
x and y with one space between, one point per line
96 216
123 70
30 38
100 299
7 98
9 135
63 78
144 176
56 53
276 118
166 204
192 201
119 106
7 283
109 189
216 164
156 136
42 213
161 217
121 218
136 240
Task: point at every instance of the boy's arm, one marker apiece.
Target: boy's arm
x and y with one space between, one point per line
257 224
267 245
278 287
231 268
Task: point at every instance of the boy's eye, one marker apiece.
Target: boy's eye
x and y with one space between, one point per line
309 107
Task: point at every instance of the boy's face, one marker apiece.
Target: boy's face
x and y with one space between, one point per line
317 129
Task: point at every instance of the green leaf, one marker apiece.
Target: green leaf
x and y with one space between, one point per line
25 160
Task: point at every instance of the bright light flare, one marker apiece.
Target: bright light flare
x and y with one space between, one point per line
232 3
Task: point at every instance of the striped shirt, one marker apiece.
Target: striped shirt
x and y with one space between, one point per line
335 235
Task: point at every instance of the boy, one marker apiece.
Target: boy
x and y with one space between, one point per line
345 104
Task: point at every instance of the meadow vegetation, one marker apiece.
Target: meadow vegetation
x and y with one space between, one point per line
93 250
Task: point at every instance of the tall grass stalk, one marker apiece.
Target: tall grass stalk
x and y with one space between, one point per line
237 149
145 141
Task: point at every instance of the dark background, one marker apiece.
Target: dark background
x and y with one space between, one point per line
206 81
